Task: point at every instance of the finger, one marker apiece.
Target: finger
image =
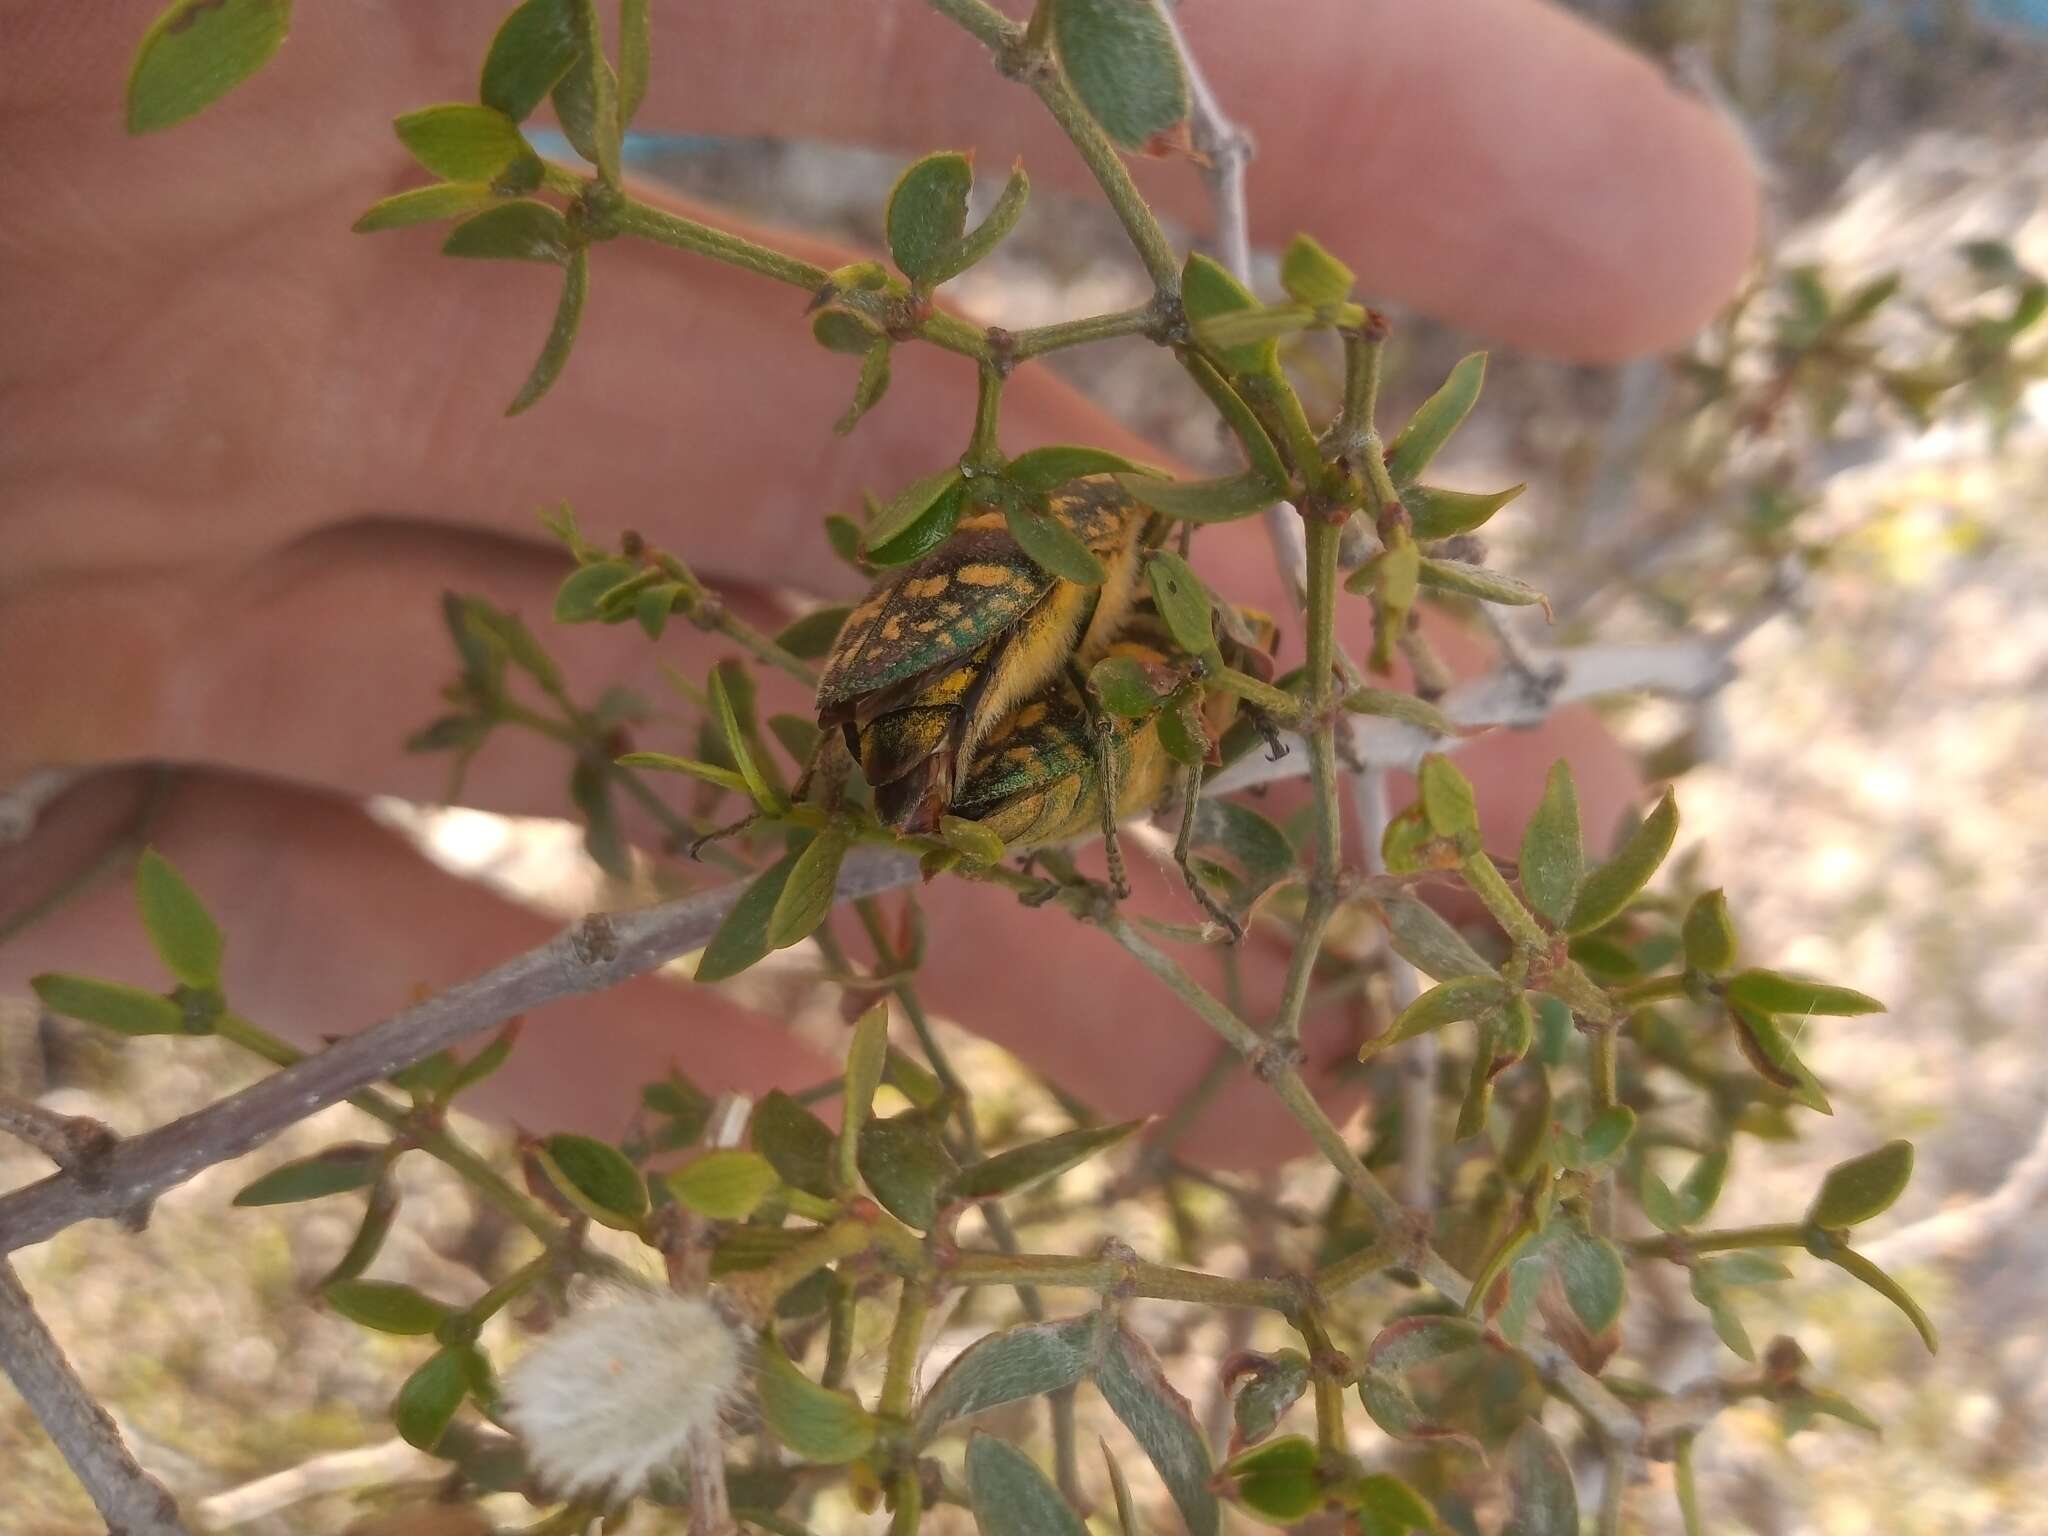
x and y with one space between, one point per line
1496 162
333 922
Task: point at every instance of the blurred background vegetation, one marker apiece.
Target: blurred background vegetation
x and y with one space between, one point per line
1870 780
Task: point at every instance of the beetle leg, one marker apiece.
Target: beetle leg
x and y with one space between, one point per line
1191 800
720 834
828 769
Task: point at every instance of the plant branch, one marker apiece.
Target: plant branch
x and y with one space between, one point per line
131 1501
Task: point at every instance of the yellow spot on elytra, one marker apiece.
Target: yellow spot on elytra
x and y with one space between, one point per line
1029 716
893 630
926 626
927 586
1019 755
985 575
949 610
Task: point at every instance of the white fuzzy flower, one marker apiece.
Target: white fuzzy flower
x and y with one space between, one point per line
615 1393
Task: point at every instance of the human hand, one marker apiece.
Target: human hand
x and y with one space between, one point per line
247 451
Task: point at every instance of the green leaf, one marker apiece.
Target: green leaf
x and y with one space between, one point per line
1054 546
533 49
333 1171
1047 469
1126 687
590 791
1122 63
1208 294
1008 1173
1204 501
109 1004
634 51
1226 334
554 351
1448 803
459 142
430 1397
742 938
867 1057
868 389
1448 1002
1441 514
812 636
931 529
1431 426
1389 1500
1553 856
1277 1384
1863 1187
386 1306
1279 1481
1608 1133
380 1211
1592 1275
1709 934
909 507
587 96
1468 580
1766 1049
1184 602
1668 1210
610 1187
710 773
796 1142
1428 943
181 930
1542 1499
1011 1497
424 205
1127 1523
737 742
1774 992
195 52
841 330
1610 888
1312 275
523 230
953 259
927 213
906 1166
576 598
806 896
725 1185
1160 1420
1008 1367
816 1422
972 839
1890 1289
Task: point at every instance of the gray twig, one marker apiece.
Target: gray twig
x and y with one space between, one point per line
72 1142
131 1501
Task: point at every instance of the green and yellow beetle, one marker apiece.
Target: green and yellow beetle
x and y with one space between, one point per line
1038 777
951 643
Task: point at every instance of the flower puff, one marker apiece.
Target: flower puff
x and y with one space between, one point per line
616 1392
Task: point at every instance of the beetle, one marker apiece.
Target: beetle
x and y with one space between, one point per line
943 648
1057 765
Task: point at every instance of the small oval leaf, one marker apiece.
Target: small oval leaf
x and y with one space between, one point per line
1610 888
1121 60
1863 1187
195 52
386 1306
110 1004
1553 854
816 1422
1011 1497
609 1186
430 1397
726 1184
334 1171
1055 547
1438 418
927 212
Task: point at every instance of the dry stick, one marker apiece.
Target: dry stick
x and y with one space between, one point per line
72 1142
1419 1057
131 1501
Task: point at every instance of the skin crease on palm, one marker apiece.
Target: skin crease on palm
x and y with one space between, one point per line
245 451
